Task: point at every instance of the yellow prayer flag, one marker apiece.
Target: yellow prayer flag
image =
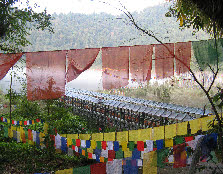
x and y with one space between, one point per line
10 133
72 136
109 136
124 145
97 136
150 163
45 128
21 132
170 131
84 136
33 122
205 121
182 128
127 153
145 134
41 137
169 142
69 142
65 171
93 144
90 150
30 142
63 135
122 136
195 125
158 133
133 135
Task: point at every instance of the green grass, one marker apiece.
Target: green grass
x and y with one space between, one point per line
22 158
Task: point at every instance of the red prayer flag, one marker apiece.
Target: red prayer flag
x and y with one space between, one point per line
89 155
180 156
13 122
2 118
45 74
73 147
23 138
164 60
140 145
25 122
115 65
182 56
78 142
111 154
189 138
110 159
104 145
98 168
80 60
7 61
29 134
141 62
53 139
37 120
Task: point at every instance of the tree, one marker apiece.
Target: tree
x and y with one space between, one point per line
15 24
199 14
190 15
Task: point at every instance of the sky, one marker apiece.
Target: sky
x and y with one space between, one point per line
90 6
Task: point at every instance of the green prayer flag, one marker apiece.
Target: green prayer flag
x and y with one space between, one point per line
205 52
161 155
82 170
99 145
74 142
131 145
179 140
119 154
26 133
6 132
214 158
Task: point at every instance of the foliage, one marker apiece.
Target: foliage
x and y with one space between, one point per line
189 15
76 31
26 109
22 158
218 98
16 24
163 92
61 117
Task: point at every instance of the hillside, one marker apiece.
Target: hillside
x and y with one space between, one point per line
102 30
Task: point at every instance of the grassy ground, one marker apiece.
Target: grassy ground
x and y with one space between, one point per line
168 93
22 158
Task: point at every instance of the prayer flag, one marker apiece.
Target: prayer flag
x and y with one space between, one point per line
80 60
150 163
164 64
45 74
140 145
170 131
98 168
115 61
141 62
82 170
122 136
159 144
7 61
179 156
182 56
